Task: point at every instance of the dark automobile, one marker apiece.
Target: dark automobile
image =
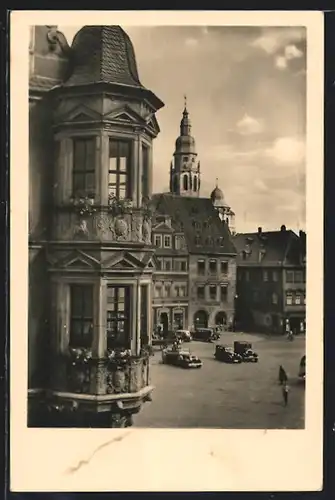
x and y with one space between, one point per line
180 357
205 334
226 353
302 368
244 349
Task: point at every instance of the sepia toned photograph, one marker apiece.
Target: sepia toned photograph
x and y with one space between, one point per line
167 231
166 205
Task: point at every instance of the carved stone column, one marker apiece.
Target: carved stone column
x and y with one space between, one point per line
138 318
133 318
98 382
149 313
104 168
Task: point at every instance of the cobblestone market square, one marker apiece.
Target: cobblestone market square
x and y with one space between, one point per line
220 395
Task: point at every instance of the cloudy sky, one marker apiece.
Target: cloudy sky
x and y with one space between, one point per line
246 94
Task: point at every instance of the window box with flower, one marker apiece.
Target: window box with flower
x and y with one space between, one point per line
83 204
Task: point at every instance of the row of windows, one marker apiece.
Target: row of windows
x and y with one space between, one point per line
296 298
119 168
295 277
212 292
213 266
208 240
117 315
167 241
266 275
169 264
291 298
167 290
291 276
190 182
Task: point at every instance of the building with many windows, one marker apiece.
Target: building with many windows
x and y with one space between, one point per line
92 124
271 280
195 261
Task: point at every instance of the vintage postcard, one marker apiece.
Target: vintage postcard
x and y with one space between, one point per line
166 251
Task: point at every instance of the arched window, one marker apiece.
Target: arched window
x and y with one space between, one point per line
191 182
185 182
195 184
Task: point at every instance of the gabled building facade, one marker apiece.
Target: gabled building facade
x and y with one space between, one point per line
171 282
92 124
195 282
271 280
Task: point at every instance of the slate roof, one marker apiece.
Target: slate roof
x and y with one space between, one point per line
200 220
103 54
277 248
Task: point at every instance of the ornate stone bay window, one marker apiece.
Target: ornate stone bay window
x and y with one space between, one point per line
100 256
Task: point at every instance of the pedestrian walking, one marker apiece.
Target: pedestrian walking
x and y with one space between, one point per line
285 393
282 375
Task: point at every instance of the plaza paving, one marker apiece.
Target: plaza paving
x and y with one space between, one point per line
221 395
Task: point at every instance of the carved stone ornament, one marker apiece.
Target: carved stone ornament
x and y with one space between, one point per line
102 223
55 38
136 230
147 231
80 228
121 228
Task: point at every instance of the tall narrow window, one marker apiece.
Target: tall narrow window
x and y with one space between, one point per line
224 267
223 293
81 315
119 184
289 298
201 267
195 184
265 275
145 171
144 316
201 292
290 276
212 292
167 241
185 182
158 240
168 265
118 325
83 173
212 266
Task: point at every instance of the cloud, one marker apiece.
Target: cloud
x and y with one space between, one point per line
275 39
292 52
249 125
191 42
287 151
281 62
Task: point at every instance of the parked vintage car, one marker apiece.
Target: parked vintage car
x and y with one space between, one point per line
226 353
244 349
302 368
184 335
180 357
205 334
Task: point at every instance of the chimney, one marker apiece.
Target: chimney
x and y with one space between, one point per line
259 230
283 228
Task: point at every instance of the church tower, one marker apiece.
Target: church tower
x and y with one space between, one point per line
185 168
